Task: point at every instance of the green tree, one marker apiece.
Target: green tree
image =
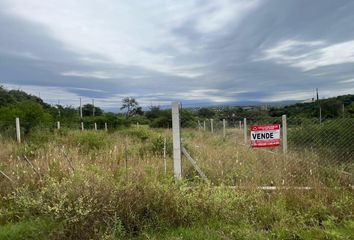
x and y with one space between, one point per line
206 113
87 110
31 115
131 106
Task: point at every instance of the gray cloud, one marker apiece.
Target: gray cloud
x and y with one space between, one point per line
196 52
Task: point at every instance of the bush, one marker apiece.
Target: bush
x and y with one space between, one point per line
139 133
157 144
90 140
31 116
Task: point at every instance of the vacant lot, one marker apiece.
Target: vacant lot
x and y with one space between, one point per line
96 185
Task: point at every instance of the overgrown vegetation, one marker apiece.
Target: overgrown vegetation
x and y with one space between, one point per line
99 185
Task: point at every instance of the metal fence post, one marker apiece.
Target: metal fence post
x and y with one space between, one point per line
176 131
285 134
245 130
18 130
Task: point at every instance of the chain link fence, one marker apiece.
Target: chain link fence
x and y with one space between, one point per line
332 140
319 153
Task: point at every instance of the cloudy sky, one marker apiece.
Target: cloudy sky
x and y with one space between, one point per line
194 51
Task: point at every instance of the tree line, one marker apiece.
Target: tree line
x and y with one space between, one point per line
34 112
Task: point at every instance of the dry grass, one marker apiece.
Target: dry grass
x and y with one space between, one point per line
98 185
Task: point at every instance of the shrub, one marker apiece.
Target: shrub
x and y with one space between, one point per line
157 144
31 115
139 133
90 140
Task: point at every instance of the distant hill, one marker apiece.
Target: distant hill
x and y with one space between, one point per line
330 108
10 97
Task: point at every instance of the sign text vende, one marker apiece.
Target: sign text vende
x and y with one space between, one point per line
265 135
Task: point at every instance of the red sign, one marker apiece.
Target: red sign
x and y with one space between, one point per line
263 136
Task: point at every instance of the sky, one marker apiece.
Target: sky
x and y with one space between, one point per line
193 51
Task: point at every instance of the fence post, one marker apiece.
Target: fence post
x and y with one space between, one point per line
18 130
137 124
164 155
58 125
224 128
240 124
212 125
105 127
285 133
245 130
176 131
82 126
95 126
204 126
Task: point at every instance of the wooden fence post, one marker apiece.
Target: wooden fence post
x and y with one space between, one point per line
285 134
176 131
18 130
245 130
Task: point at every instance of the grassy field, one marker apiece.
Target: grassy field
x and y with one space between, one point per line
96 185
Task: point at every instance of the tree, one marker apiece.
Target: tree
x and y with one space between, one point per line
87 110
153 113
31 115
131 106
206 113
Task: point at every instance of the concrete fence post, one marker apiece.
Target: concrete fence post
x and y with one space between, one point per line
212 125
164 155
105 127
95 126
204 126
82 126
18 130
240 124
245 130
176 131
224 128
285 134
58 125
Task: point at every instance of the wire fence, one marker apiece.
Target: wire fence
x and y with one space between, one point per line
318 153
332 140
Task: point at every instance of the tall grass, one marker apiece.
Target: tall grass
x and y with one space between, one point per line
96 185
